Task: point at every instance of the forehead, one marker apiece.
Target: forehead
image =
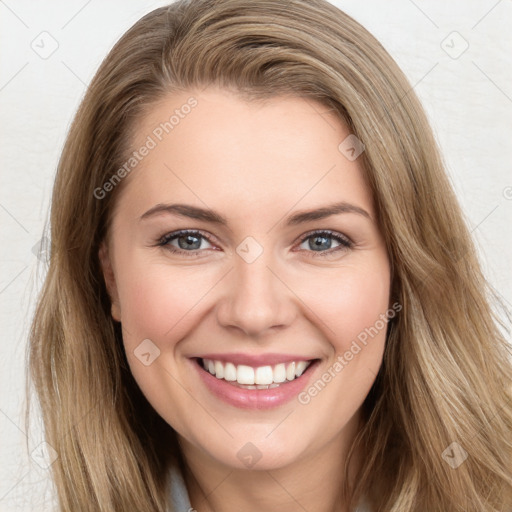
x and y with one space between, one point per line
216 148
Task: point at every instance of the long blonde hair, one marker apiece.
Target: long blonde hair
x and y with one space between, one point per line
443 391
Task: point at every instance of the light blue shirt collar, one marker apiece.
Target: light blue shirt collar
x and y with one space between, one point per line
178 490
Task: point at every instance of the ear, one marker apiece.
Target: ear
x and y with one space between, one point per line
110 280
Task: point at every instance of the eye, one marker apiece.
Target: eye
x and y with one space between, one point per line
187 242
191 242
321 242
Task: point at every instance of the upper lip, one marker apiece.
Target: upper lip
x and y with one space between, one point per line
255 360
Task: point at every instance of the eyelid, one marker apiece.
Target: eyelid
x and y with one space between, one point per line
181 232
330 232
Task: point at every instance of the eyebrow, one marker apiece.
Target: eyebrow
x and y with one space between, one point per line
207 215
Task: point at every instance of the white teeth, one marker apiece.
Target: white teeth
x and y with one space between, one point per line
290 371
244 374
262 377
229 372
299 368
219 370
279 373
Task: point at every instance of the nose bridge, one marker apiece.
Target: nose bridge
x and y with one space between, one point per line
256 300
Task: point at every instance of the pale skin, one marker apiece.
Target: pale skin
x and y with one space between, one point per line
256 164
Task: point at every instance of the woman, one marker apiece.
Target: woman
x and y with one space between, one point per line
261 292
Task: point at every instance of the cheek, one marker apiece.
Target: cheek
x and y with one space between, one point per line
158 301
348 301
351 306
162 304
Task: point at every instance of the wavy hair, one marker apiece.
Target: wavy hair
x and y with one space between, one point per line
447 371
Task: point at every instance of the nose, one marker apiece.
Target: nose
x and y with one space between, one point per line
256 299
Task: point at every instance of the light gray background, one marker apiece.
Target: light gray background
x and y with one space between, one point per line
468 97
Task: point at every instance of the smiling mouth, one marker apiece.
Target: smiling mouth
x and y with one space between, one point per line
261 377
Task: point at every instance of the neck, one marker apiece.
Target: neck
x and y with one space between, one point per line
314 482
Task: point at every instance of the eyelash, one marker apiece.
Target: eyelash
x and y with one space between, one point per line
345 242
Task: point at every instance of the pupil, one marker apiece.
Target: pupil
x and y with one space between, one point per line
192 242
320 242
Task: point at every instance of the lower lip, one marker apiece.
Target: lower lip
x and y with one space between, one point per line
255 398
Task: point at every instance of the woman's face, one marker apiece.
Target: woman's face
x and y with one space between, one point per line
282 270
